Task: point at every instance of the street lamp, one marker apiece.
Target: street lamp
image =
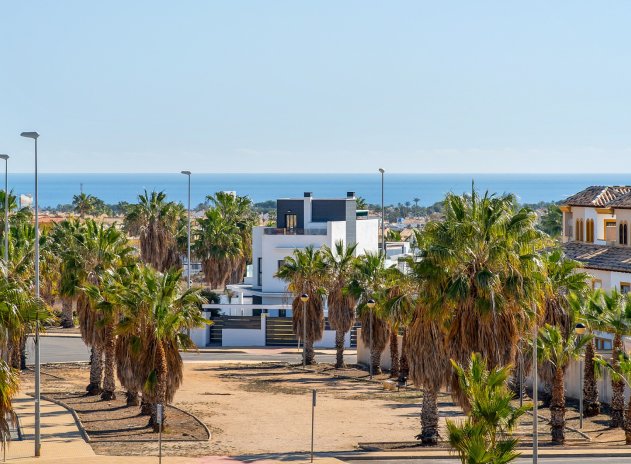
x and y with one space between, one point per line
304 298
580 330
6 208
188 239
535 393
383 216
371 304
34 136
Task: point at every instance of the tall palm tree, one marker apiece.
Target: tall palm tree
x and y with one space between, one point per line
369 283
588 310
563 277
9 387
339 263
159 310
559 349
157 222
104 248
398 310
305 272
616 313
237 210
83 204
482 269
218 245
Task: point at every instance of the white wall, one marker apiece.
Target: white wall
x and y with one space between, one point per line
328 340
367 236
244 337
363 352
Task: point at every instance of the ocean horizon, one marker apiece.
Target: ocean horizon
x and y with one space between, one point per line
57 188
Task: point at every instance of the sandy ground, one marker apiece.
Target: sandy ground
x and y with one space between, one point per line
263 409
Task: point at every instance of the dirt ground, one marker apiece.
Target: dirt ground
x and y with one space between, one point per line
257 410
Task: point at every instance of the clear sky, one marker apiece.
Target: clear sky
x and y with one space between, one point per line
319 86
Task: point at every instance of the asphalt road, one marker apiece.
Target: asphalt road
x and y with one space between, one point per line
72 349
568 460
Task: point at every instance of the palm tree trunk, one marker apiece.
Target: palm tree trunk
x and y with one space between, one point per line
96 372
617 386
394 353
67 312
133 399
590 386
627 424
309 353
429 418
23 352
145 407
161 388
404 366
375 360
557 408
339 348
109 383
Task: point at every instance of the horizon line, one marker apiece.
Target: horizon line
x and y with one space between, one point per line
329 173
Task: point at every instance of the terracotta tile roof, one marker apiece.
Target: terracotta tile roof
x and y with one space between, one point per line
623 201
605 258
599 196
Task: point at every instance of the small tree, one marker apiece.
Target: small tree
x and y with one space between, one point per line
484 437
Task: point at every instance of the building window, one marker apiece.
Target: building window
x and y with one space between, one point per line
280 263
625 287
590 230
597 283
259 279
623 233
610 230
578 230
291 221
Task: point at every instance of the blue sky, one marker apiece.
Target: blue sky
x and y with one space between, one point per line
324 86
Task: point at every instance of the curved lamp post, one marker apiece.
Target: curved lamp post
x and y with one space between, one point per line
35 136
371 304
580 330
304 298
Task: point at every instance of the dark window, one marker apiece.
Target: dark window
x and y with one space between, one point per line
257 312
260 273
280 263
282 313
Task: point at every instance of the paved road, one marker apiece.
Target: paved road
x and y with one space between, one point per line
72 349
544 460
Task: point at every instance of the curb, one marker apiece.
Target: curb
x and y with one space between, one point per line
559 453
88 440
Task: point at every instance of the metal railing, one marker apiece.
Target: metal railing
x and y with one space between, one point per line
283 231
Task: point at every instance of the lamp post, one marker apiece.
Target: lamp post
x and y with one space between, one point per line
580 330
304 298
34 136
371 305
6 208
383 217
188 238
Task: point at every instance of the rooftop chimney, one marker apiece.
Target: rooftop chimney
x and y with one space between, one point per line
350 194
308 194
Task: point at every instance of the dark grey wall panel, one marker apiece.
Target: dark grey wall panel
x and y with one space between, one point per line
328 210
296 207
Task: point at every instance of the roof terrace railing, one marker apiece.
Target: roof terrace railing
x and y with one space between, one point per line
295 231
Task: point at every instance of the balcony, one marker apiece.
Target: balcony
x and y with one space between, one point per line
281 231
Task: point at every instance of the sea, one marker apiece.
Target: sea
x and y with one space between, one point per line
56 189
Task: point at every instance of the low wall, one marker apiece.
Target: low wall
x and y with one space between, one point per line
244 337
363 352
328 340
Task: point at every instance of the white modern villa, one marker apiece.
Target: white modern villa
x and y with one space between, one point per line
258 312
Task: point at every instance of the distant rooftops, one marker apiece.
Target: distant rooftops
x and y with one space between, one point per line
599 196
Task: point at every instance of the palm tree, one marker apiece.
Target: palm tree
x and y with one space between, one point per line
587 310
158 223
339 267
416 200
83 204
562 278
559 349
398 310
9 387
369 283
485 436
481 267
616 312
238 211
104 248
218 245
305 272
159 310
